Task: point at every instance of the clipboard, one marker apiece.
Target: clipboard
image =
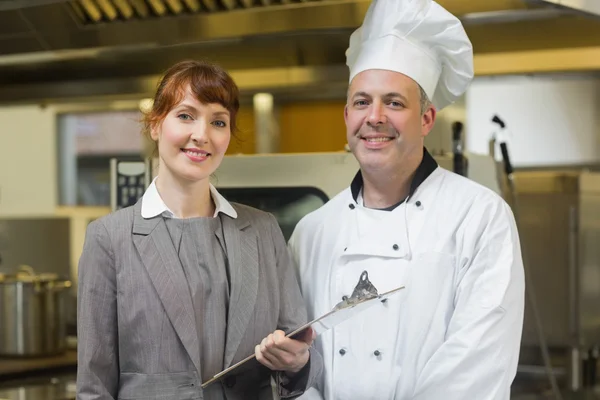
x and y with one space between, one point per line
364 297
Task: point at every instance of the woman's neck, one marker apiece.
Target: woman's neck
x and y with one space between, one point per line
185 199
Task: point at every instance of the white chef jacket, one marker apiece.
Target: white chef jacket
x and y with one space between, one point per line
454 332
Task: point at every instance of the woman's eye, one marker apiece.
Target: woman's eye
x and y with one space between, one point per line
220 124
185 117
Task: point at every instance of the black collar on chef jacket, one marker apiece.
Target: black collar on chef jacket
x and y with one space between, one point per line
427 166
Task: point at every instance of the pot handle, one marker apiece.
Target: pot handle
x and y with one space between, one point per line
26 269
61 285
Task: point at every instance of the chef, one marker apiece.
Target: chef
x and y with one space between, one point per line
453 333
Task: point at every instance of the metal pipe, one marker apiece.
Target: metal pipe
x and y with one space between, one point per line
573 299
266 128
459 159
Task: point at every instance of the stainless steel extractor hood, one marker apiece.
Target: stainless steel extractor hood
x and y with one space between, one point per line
86 24
20 4
58 49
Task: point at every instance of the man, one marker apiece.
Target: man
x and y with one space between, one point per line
453 333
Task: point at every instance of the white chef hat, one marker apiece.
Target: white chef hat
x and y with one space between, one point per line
419 39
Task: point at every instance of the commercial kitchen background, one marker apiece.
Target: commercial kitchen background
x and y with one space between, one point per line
74 75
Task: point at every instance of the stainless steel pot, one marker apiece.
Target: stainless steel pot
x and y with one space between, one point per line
32 314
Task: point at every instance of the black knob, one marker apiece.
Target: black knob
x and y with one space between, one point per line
498 121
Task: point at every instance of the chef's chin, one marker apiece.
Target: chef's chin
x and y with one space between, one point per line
376 161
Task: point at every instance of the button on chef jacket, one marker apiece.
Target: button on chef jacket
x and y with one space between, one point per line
453 333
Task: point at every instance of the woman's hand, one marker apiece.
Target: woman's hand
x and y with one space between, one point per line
280 353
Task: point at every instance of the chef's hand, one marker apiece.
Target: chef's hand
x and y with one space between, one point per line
280 353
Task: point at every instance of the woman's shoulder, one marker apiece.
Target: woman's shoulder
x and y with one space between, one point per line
253 216
114 219
250 213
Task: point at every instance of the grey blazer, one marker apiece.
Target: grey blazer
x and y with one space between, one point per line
137 337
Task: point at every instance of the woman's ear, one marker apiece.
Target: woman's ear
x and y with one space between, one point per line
154 131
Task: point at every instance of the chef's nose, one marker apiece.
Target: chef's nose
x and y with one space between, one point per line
377 114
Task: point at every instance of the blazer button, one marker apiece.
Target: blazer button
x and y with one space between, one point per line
418 204
229 381
395 247
351 206
377 353
342 351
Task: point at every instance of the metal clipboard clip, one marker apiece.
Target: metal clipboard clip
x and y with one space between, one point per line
363 297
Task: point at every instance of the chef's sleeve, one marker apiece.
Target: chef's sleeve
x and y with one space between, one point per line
479 356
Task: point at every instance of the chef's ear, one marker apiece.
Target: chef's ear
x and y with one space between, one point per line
428 119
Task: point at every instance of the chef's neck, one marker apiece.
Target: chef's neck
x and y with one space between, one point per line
385 188
186 199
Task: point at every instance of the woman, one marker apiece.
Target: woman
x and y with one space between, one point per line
184 284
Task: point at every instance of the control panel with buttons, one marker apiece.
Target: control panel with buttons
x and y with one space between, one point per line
128 182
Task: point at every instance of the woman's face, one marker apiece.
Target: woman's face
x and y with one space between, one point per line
193 138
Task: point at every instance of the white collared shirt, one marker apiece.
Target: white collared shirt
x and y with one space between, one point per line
153 204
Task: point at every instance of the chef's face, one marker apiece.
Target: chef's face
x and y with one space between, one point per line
384 123
193 138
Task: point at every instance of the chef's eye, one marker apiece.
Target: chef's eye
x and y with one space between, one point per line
360 103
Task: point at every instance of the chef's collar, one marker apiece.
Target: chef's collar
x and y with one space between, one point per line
425 168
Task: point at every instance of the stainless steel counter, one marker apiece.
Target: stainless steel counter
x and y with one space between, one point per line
58 387
10 367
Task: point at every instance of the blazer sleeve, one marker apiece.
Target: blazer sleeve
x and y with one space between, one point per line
292 315
97 343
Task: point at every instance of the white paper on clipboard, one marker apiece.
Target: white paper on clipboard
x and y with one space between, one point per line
320 325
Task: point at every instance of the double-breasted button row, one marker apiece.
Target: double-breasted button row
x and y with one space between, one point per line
376 353
394 246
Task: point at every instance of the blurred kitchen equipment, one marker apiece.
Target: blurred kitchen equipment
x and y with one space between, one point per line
531 297
560 228
32 313
50 386
128 181
44 242
459 160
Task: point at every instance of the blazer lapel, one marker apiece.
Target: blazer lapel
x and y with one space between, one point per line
242 253
158 255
